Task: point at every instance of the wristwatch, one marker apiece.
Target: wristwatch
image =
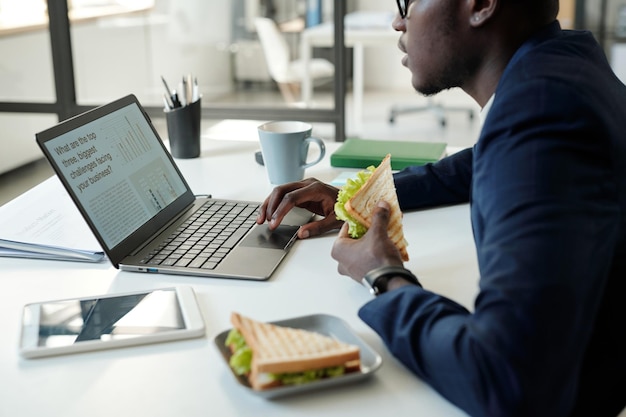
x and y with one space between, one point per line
376 279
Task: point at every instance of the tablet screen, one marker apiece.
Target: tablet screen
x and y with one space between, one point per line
63 323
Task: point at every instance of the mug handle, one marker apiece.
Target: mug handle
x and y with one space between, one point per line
322 147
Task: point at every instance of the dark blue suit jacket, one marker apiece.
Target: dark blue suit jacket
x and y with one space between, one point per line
547 185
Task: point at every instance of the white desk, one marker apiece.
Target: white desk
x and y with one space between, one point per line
189 378
361 29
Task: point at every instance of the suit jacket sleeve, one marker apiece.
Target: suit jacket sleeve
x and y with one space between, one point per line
444 182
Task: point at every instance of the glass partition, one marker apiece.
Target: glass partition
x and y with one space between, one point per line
83 53
216 44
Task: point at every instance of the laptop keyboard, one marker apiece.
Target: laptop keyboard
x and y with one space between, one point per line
205 239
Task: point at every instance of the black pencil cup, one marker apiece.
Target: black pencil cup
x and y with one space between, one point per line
183 130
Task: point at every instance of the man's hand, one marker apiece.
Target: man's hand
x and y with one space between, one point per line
357 257
310 194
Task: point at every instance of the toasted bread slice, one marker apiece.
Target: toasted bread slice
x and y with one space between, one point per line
278 349
378 187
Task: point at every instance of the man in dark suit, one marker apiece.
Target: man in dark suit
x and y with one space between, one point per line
546 182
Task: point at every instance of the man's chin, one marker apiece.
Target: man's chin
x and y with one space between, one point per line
427 89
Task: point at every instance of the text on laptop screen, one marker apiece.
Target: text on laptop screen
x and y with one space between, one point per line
118 170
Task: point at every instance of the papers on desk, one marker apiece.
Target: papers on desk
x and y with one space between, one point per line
44 223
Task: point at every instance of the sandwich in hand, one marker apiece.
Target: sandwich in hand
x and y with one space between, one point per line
359 197
271 355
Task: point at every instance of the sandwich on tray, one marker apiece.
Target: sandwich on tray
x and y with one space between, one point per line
271 356
359 197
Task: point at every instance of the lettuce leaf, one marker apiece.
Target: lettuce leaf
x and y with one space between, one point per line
295 378
356 229
241 359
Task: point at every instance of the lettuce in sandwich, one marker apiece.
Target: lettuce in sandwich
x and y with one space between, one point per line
356 229
241 358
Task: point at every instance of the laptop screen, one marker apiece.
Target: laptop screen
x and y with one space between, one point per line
115 167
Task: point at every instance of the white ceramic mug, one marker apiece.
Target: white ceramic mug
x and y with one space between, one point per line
285 147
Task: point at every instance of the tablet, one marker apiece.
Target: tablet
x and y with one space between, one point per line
109 321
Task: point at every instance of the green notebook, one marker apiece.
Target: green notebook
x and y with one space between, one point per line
361 153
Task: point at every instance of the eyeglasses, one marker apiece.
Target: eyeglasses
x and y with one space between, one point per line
403 6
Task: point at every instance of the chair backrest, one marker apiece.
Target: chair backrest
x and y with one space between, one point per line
275 48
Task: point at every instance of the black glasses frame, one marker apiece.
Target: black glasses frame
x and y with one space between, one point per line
403 6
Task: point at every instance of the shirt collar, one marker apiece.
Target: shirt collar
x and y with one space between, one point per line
485 110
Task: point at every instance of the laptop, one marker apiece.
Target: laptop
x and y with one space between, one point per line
132 195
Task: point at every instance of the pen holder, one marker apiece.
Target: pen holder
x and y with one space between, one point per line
183 130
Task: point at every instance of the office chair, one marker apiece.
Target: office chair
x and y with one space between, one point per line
431 106
287 73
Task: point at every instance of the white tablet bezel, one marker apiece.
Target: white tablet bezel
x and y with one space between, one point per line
192 317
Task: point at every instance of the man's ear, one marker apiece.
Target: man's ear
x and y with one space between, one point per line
482 11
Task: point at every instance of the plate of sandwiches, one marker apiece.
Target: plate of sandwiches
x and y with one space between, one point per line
294 355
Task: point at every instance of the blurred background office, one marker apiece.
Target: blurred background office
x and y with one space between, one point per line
53 67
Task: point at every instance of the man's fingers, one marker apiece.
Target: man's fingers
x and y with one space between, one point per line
343 232
319 227
380 217
339 246
277 198
284 199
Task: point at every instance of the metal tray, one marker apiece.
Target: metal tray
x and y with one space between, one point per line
327 325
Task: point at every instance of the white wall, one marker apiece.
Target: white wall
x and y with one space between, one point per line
25 75
17 141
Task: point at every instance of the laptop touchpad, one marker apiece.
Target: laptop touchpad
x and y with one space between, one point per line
263 237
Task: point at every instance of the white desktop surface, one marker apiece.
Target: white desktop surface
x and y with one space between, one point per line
189 378
361 30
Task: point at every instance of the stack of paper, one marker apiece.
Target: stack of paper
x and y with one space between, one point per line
44 223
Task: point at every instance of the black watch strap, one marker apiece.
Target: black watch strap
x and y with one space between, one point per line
376 279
